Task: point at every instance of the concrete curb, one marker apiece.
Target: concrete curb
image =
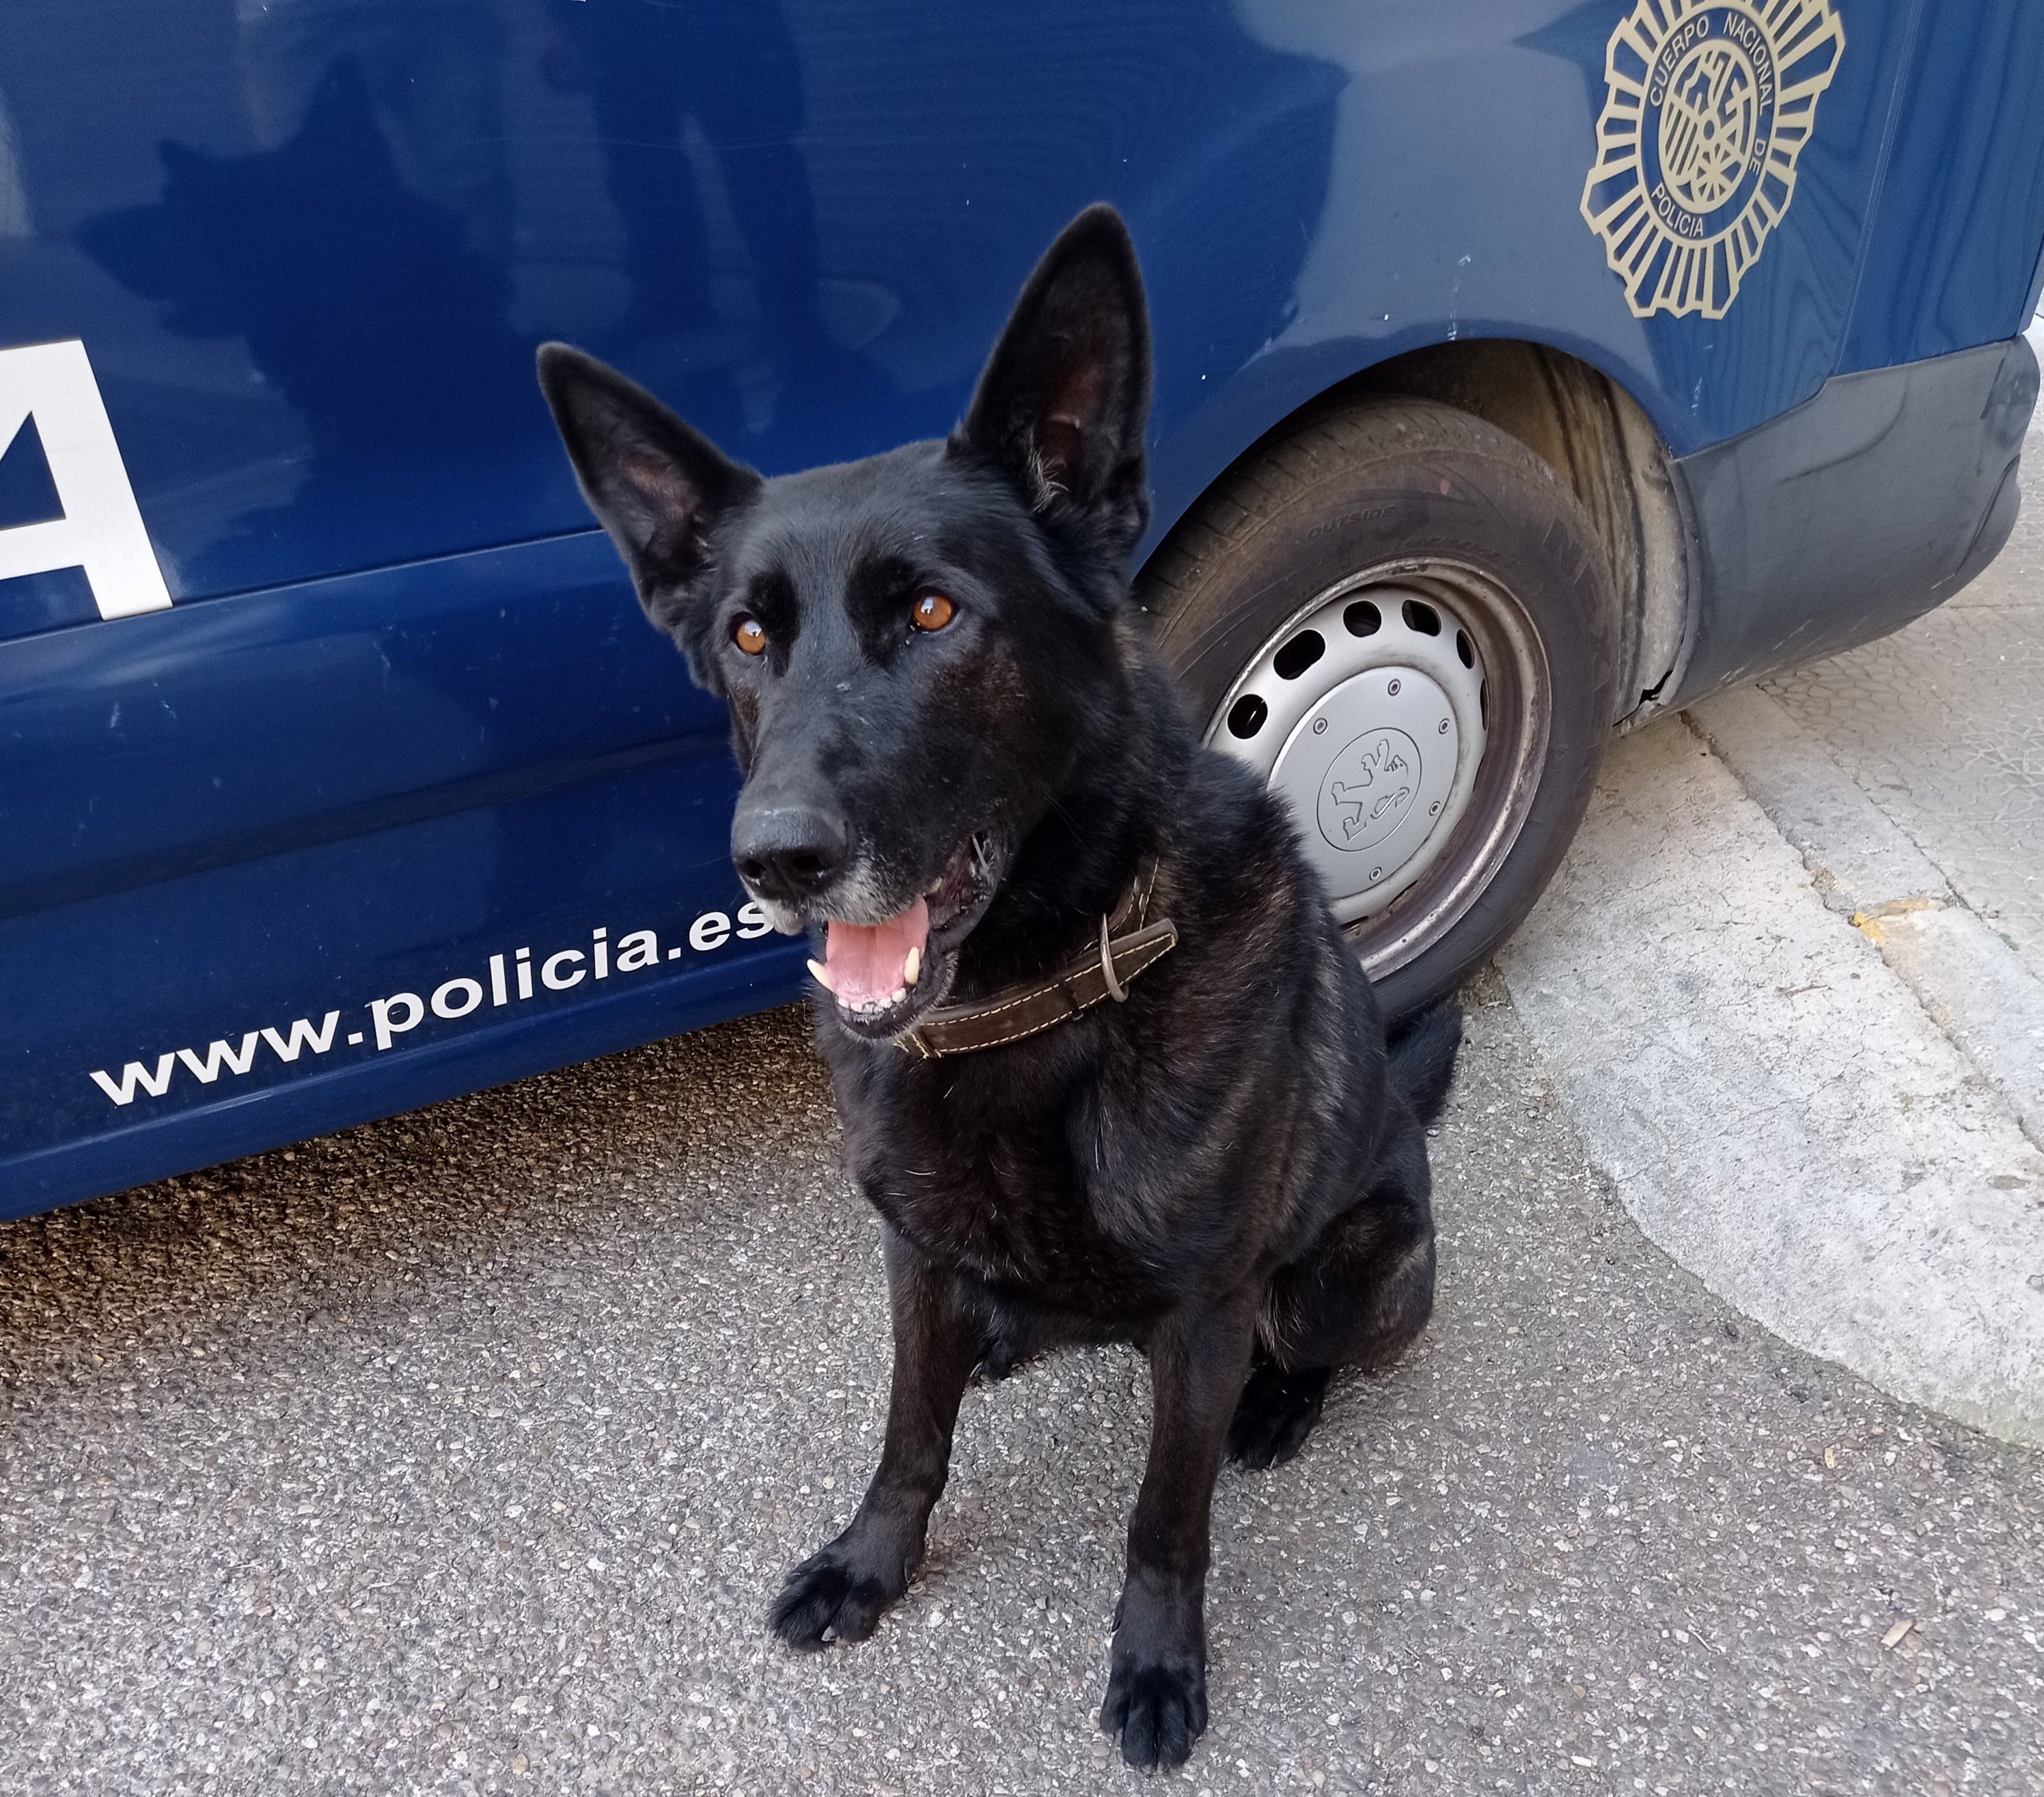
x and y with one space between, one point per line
1774 1106
1963 971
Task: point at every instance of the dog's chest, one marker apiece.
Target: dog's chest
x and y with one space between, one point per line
1024 1233
1016 1207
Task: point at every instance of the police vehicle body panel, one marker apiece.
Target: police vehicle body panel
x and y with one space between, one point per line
339 771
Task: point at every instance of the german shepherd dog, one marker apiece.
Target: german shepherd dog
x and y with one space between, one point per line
964 770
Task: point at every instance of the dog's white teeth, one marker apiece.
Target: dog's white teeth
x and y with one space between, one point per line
912 969
898 996
823 976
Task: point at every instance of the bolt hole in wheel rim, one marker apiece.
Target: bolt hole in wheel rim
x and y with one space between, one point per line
1403 713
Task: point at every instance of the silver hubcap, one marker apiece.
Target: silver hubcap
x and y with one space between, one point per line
1366 711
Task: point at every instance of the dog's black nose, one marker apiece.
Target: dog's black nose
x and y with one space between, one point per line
788 851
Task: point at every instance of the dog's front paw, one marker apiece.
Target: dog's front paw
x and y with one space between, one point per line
1157 1706
831 1595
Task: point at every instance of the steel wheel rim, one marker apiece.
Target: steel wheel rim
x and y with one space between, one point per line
1478 684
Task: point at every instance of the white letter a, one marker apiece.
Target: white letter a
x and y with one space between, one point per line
101 529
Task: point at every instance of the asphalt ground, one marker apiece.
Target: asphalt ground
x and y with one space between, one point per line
464 1451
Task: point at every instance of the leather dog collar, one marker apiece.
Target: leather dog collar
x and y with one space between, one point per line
1129 943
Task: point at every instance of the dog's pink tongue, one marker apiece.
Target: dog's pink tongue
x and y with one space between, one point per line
865 960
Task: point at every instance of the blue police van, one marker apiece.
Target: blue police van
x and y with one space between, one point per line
339 770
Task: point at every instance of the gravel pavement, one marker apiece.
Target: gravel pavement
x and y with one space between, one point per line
464 1451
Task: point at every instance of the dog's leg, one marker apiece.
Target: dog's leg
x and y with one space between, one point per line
843 1589
1357 1298
1157 1682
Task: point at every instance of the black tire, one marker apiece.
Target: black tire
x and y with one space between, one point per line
1409 491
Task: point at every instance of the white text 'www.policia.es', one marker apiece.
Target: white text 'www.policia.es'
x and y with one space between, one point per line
510 980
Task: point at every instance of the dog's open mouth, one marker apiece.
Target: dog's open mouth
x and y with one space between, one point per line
883 975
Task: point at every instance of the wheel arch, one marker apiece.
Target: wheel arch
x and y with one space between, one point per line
1600 443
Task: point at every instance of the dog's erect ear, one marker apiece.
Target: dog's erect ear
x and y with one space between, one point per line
658 486
1062 402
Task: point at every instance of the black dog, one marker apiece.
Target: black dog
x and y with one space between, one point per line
967 772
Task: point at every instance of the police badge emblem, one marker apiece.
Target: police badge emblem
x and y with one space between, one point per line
1707 105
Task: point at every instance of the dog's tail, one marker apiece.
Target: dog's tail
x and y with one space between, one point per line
1422 1048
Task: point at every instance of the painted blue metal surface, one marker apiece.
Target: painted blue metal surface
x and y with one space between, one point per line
403 715
1951 259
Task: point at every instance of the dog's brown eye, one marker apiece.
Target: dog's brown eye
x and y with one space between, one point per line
932 612
750 635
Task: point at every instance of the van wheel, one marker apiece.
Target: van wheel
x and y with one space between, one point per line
1400 617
